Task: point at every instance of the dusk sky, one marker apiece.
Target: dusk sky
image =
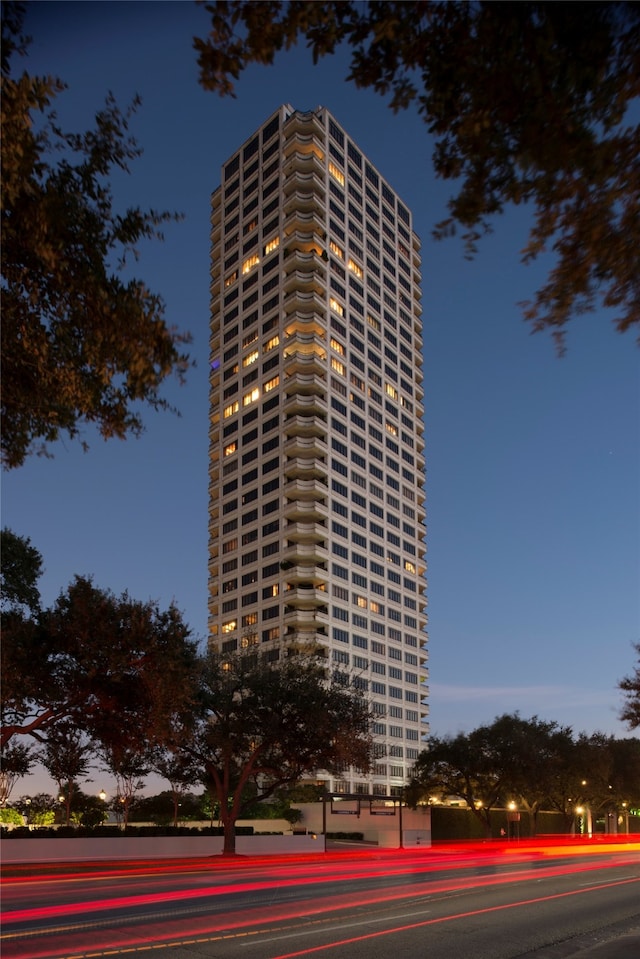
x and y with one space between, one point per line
533 462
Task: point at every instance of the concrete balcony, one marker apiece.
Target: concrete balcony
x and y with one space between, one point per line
301 158
302 182
301 489
305 301
305 384
305 446
298 468
303 124
305 323
303 640
310 279
306 241
308 619
308 406
309 202
306 533
305 426
305 554
306 597
305 221
303 260
304 341
303 361
304 143
305 511
316 575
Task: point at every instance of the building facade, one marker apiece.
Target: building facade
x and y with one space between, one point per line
317 468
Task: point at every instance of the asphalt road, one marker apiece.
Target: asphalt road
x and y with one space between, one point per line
509 902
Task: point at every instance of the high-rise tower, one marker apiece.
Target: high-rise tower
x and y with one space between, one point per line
316 469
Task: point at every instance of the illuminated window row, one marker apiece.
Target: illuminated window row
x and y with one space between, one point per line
251 397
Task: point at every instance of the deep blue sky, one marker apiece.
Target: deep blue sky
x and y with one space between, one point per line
533 466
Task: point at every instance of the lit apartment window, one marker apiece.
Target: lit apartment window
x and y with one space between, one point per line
390 428
373 322
251 396
354 268
250 263
251 639
231 409
272 245
337 347
336 173
231 278
409 566
337 366
250 619
229 626
251 358
339 252
336 307
272 343
391 391
231 448
361 601
271 384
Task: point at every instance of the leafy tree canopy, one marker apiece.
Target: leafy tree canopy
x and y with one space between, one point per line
16 762
630 686
81 343
20 570
527 103
119 669
534 763
263 726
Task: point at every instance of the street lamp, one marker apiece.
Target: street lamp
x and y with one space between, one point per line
513 820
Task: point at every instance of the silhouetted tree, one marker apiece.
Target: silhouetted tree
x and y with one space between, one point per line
16 761
263 725
120 669
66 755
630 686
80 344
466 766
20 570
129 765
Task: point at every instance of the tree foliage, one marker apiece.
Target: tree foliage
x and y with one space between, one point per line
262 726
630 686
117 668
20 570
81 342
527 104
66 755
464 766
16 761
532 763
129 764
